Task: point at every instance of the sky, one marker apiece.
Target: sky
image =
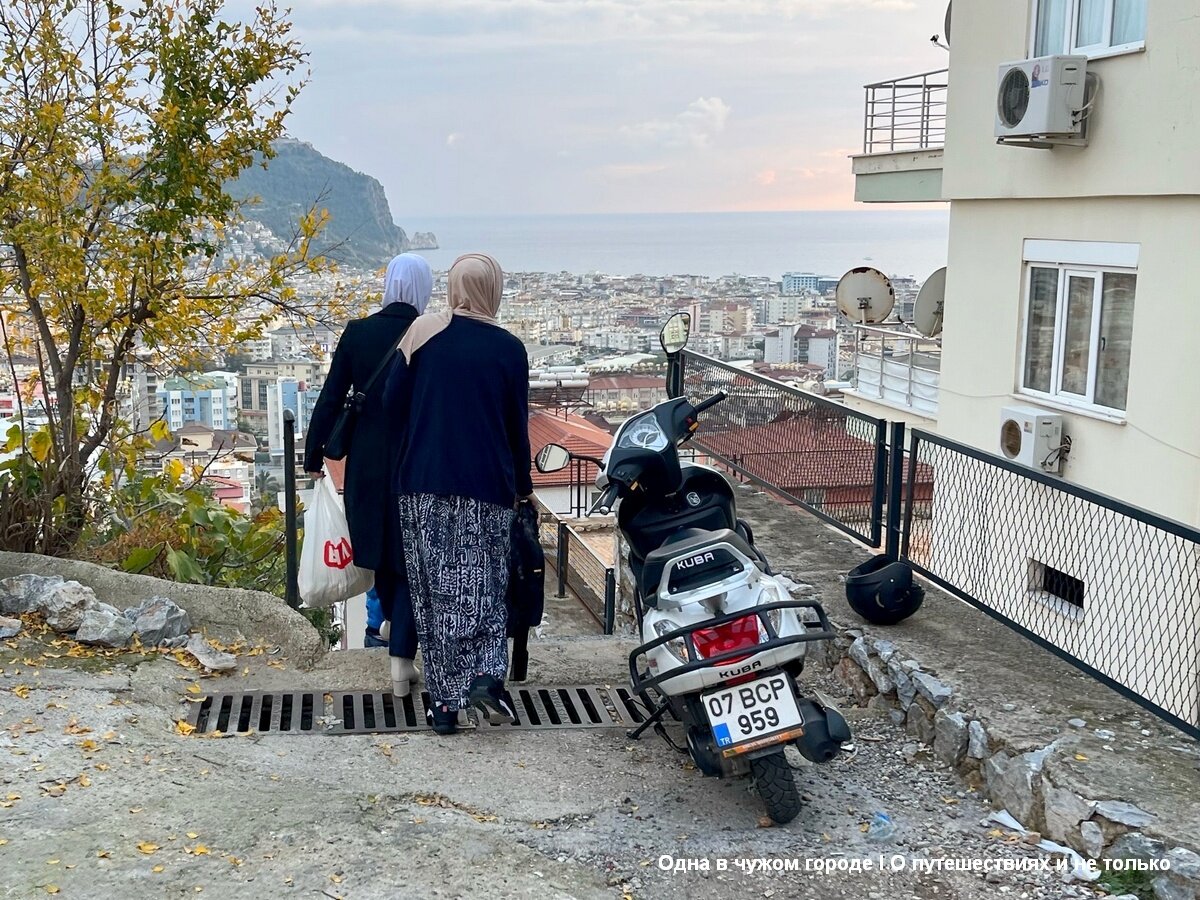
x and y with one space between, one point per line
505 107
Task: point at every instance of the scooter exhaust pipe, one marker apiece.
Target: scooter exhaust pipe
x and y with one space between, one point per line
825 730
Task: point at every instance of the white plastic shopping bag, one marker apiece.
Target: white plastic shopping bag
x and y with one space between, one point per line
327 571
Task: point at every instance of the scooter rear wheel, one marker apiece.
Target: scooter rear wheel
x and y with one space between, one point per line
776 786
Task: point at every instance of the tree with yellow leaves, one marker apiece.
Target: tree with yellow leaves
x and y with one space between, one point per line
119 131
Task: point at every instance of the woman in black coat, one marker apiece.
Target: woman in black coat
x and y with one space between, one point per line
370 504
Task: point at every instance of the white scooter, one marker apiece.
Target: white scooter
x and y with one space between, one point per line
723 639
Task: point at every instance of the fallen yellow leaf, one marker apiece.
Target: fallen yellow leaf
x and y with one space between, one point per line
22 691
234 861
157 869
192 835
3 841
147 847
135 810
88 744
194 689
198 850
103 854
73 727
52 889
101 767
1081 757
53 862
336 879
110 735
84 781
182 727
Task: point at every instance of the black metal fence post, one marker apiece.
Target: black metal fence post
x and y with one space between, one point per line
292 590
562 560
895 491
610 601
879 492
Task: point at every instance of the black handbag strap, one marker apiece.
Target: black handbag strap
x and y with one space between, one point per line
356 398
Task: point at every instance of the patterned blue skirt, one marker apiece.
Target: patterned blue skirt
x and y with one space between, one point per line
456 553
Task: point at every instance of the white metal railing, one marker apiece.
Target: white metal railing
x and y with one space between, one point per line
898 367
906 113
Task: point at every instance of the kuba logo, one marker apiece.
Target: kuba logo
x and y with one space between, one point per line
733 673
338 555
692 562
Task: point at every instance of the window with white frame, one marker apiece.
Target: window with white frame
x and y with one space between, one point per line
1078 333
1092 27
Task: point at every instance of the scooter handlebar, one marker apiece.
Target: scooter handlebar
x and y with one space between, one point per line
710 402
605 501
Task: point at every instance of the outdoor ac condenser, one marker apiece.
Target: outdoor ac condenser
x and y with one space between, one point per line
1041 98
1032 438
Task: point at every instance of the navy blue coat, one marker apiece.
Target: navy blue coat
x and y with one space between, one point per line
370 505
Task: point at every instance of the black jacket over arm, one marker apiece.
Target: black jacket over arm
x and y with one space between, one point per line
371 462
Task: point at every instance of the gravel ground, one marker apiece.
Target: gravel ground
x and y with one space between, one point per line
100 798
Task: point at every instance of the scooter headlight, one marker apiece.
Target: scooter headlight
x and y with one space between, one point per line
677 647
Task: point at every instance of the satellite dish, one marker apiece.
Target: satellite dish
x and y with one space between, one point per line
927 312
946 35
865 296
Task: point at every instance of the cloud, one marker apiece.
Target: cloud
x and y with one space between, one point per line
454 138
695 127
766 177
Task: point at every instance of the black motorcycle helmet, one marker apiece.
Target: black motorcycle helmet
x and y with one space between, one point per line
883 592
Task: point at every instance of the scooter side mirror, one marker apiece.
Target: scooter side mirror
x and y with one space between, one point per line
675 332
552 458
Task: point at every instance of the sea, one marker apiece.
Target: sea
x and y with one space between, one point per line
897 242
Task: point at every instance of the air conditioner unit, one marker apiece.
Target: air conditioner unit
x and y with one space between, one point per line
1032 438
1041 102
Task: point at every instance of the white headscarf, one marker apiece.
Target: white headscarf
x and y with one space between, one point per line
409 280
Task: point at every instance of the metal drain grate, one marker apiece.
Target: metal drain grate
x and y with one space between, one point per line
375 712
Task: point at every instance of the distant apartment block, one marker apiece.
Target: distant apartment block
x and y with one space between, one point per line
201 399
799 282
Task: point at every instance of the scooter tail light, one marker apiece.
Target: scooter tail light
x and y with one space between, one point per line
736 635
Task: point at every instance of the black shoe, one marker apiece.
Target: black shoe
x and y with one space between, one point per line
442 719
487 695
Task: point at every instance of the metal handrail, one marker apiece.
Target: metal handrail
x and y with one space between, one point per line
906 113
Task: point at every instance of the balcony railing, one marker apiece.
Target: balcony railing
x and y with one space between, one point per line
897 367
906 113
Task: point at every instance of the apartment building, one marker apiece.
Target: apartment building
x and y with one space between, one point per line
1071 261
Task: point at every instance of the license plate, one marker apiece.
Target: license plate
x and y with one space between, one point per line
752 715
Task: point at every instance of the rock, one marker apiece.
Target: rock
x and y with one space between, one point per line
920 720
913 751
64 604
949 737
931 689
1124 813
1077 723
175 643
1182 881
159 620
9 627
880 703
1093 839
19 594
977 740
103 626
1105 735
858 652
1015 783
905 691
1135 845
1063 810
884 649
879 677
897 716
208 656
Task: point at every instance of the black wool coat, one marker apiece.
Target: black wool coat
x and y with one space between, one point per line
370 503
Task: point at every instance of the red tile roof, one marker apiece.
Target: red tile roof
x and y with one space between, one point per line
573 432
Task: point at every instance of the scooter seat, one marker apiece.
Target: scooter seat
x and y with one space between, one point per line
690 540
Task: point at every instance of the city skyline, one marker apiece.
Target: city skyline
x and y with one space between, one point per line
561 106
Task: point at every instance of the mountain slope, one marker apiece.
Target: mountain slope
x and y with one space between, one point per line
361 231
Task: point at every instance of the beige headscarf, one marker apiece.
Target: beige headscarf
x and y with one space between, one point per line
474 289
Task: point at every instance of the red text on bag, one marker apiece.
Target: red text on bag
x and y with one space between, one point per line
338 555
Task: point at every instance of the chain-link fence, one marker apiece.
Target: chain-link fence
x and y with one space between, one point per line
1109 587
821 455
